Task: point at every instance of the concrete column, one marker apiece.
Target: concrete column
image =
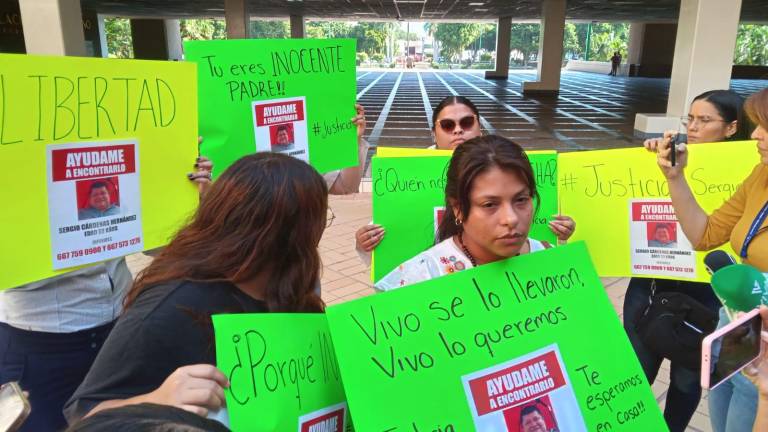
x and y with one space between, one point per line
550 59
703 59
173 39
53 27
102 36
238 19
635 48
156 39
297 26
503 47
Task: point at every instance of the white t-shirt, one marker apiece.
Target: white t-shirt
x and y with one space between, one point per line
439 260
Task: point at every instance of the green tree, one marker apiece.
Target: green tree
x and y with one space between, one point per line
119 40
525 40
455 37
751 45
608 38
202 29
270 30
571 46
328 29
371 36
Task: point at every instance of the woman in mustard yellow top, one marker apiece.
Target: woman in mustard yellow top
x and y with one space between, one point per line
742 220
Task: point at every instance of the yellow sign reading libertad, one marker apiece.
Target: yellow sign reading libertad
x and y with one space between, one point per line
68 111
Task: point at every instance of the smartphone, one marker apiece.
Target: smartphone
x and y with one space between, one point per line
729 349
673 146
14 407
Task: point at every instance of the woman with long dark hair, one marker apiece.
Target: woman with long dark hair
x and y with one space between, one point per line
251 247
491 195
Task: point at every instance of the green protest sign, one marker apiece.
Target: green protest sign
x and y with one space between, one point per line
487 348
283 372
294 96
409 202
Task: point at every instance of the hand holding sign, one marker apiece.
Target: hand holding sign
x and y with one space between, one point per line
195 388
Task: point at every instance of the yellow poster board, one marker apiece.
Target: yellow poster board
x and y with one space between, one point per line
407 152
60 100
596 188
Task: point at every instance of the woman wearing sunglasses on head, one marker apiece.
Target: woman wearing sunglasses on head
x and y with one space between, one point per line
454 120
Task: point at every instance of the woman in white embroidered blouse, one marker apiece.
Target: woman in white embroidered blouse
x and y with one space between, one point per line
491 191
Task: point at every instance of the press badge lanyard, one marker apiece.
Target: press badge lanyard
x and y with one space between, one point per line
753 230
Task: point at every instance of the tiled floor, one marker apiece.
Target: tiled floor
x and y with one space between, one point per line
345 277
592 110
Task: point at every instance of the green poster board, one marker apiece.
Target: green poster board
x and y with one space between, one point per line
409 198
283 372
474 349
294 96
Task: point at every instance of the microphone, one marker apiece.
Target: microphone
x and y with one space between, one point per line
740 287
716 260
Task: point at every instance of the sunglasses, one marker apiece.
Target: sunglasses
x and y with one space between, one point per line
466 123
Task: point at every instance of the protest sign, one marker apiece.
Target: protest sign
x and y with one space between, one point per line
409 202
619 198
67 123
485 348
406 152
283 372
293 96
94 202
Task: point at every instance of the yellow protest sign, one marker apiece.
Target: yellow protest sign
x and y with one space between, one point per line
407 152
95 153
620 201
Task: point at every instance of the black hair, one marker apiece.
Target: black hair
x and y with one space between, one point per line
473 158
146 418
97 185
452 100
282 128
530 409
730 106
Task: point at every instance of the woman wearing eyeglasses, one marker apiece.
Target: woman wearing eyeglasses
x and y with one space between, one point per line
714 116
454 120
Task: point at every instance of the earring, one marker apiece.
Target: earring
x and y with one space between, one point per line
457 221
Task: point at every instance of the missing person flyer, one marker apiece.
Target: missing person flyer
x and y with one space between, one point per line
280 125
94 201
658 245
329 419
529 393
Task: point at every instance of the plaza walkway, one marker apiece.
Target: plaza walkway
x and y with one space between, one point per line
592 112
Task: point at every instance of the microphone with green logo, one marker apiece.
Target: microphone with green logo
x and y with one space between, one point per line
740 287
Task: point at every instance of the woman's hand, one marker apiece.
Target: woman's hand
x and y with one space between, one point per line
359 121
757 372
563 227
202 174
664 150
196 388
368 237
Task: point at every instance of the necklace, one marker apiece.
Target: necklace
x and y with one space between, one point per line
466 251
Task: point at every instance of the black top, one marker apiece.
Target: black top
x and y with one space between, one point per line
699 291
167 327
